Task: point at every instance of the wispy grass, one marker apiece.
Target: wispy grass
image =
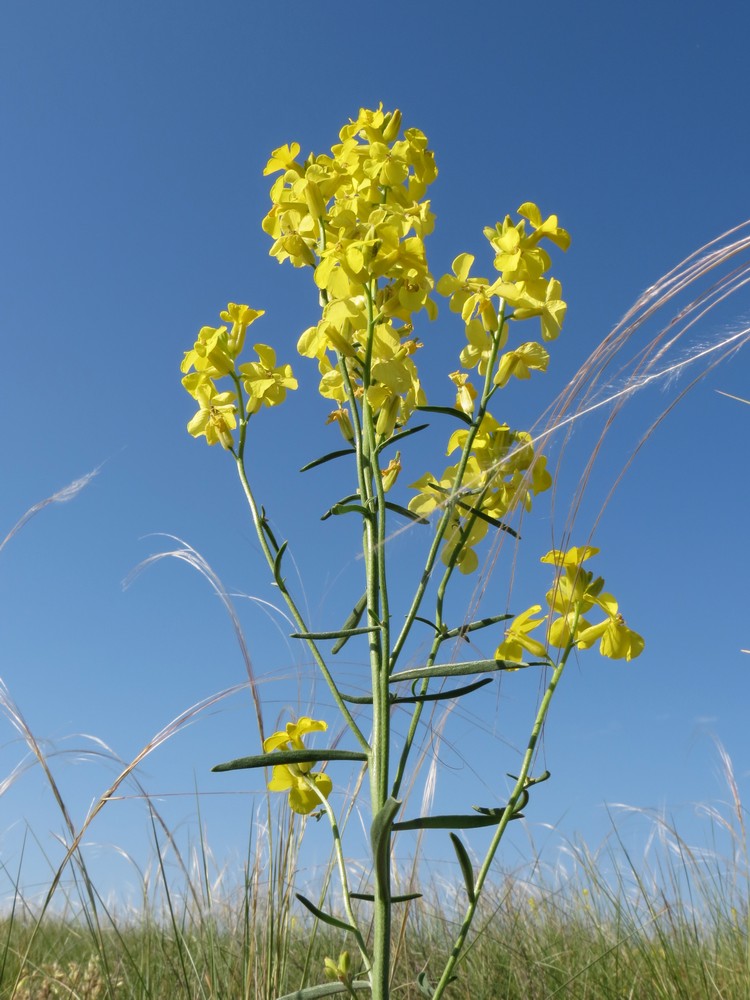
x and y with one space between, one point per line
671 923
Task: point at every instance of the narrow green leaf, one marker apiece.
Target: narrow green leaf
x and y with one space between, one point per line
457 669
454 822
380 838
448 411
326 990
369 898
441 695
357 699
481 623
267 528
426 988
288 757
487 517
466 867
544 776
277 565
400 436
351 622
343 507
497 812
444 491
327 918
327 458
338 634
426 621
405 512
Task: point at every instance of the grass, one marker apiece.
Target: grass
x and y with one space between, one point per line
598 924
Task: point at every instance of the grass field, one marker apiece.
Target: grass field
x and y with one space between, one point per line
594 924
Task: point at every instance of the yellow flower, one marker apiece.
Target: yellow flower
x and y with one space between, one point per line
466 392
302 798
541 298
517 638
576 592
264 382
240 317
520 363
216 418
572 558
212 353
468 295
282 159
466 558
618 642
297 778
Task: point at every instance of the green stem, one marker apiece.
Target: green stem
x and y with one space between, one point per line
291 604
518 789
377 606
341 864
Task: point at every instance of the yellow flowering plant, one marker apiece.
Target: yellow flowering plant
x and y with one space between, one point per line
358 218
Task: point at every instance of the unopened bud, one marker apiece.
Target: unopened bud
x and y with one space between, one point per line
392 126
315 203
341 417
391 471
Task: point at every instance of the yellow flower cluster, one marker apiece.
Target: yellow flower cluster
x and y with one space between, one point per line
575 592
359 218
502 472
214 356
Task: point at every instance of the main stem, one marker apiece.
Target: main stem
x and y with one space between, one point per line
373 497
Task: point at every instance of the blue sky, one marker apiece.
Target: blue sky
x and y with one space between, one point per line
134 142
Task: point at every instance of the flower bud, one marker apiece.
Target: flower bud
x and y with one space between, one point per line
391 471
341 417
315 203
392 125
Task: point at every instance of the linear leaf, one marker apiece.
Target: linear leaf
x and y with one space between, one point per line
338 634
369 898
405 512
454 822
457 669
277 564
288 757
487 517
380 838
326 990
448 411
473 626
351 622
327 918
327 458
466 867
344 508
442 695
401 435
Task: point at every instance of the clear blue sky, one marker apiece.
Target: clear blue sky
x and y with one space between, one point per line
134 138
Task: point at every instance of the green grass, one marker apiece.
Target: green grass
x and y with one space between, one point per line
594 925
